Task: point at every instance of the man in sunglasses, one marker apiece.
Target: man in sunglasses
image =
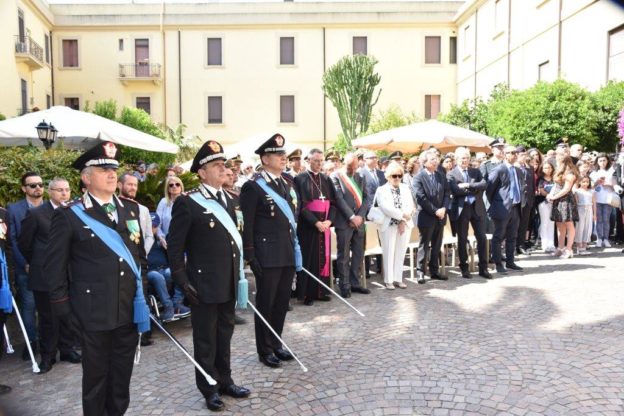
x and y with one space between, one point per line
32 186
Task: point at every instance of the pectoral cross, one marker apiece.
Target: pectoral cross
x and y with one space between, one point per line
322 197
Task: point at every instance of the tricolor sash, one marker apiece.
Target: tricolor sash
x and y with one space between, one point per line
282 204
353 189
212 206
322 206
113 241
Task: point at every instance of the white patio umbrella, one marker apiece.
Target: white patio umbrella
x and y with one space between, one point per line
418 136
78 130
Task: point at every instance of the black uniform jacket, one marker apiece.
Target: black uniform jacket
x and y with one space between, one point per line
33 241
102 286
267 235
212 256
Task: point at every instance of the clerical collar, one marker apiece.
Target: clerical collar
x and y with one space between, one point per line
100 201
212 190
313 173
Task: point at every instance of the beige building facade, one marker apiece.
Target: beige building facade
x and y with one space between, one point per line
520 42
232 70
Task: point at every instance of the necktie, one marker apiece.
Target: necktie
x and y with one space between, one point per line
375 177
433 180
469 198
220 199
110 208
281 186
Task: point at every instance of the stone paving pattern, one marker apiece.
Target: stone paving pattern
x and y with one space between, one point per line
548 341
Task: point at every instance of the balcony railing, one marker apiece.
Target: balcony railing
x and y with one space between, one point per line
28 51
139 72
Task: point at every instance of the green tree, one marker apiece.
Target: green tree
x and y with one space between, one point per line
470 114
2 117
140 120
350 86
106 109
607 103
390 118
542 114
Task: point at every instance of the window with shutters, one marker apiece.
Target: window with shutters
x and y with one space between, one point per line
215 110
432 106
287 108
615 67
287 50
144 103
70 53
453 50
215 52
433 50
360 45
72 102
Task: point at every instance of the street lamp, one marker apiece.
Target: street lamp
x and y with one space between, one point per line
47 134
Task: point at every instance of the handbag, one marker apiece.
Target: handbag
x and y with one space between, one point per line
375 214
613 199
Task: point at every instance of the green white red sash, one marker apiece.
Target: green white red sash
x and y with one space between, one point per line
353 189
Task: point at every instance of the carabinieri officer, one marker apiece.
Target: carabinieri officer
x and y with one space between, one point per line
97 241
203 235
268 202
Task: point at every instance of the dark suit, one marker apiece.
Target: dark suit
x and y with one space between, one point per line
431 195
463 213
349 240
268 239
526 214
618 173
373 181
203 253
504 213
33 240
101 295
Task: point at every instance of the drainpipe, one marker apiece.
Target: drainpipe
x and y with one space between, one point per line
509 46
559 41
164 62
475 52
324 101
180 76
51 67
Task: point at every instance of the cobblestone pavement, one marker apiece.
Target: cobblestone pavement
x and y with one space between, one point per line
547 341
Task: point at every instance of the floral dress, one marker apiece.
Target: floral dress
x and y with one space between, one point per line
565 209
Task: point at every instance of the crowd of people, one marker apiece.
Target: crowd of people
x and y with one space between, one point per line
83 267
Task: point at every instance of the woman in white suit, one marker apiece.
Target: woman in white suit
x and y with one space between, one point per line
396 202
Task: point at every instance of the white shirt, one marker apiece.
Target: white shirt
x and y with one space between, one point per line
604 190
111 201
214 191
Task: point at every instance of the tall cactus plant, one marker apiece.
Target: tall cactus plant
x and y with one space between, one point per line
350 86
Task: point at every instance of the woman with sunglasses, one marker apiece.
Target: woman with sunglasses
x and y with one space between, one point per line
395 201
173 189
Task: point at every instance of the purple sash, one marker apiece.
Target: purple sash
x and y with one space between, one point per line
322 206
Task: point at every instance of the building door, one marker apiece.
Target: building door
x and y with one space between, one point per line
141 57
24 88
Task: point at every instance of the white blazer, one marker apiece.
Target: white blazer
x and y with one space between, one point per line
385 202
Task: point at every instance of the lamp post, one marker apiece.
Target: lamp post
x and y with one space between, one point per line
47 134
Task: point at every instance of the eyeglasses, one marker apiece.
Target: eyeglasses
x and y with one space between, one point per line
34 185
513 152
175 184
396 176
60 189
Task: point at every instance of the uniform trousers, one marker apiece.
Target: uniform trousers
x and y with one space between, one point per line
394 246
273 291
547 226
213 326
107 360
506 229
584 224
54 333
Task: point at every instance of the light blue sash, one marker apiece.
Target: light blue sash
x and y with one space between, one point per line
113 240
212 206
6 301
285 208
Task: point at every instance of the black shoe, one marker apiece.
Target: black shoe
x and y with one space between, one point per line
420 278
214 403
345 293
324 298
438 276
270 361
513 266
146 341
501 269
308 302
466 274
239 320
26 355
360 289
235 391
45 366
485 273
71 356
4 389
283 354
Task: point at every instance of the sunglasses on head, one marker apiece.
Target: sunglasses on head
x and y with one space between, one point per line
34 185
175 184
396 176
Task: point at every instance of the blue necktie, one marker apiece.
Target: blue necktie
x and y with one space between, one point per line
515 193
469 198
